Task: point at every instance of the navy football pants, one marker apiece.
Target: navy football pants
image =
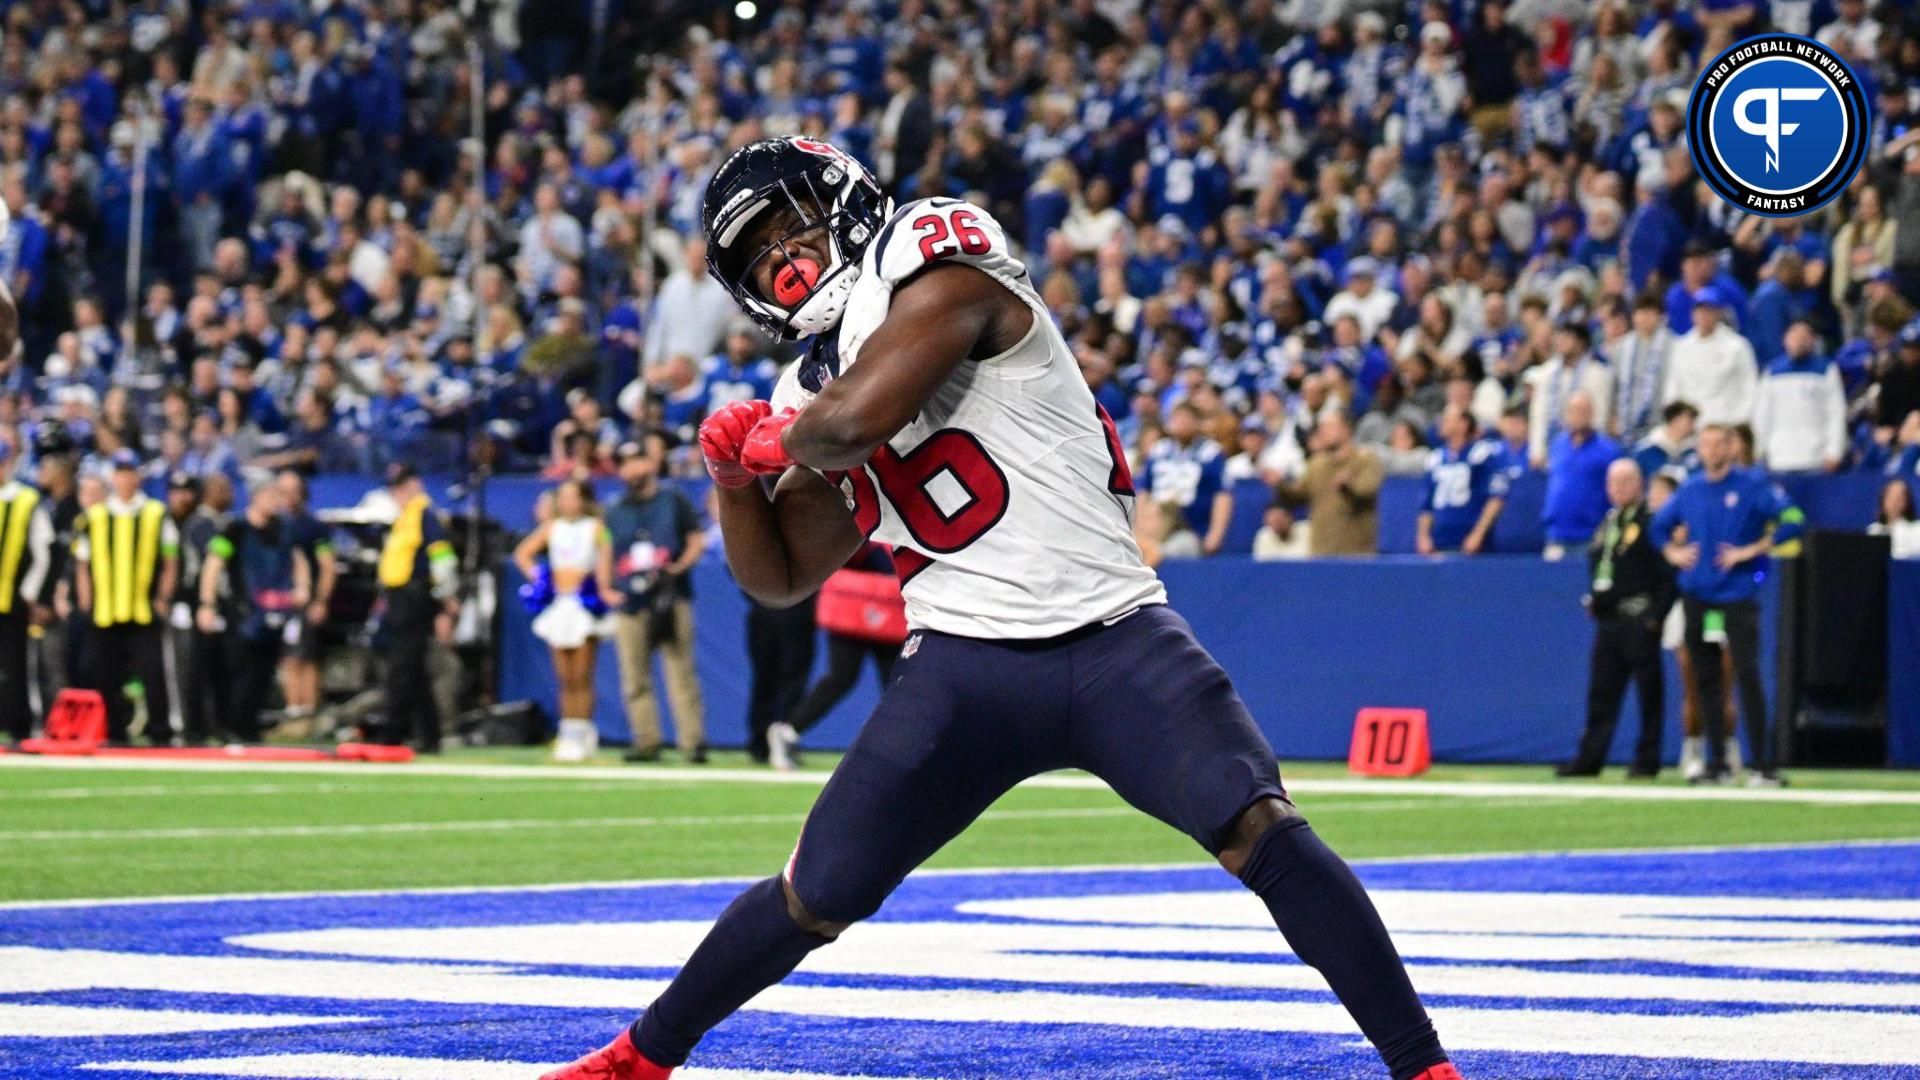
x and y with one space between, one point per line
1139 704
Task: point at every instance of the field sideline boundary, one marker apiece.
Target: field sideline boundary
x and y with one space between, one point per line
938 871
1484 789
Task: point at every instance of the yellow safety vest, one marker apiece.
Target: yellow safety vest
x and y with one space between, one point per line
125 552
403 543
16 516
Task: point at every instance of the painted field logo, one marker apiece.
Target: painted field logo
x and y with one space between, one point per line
1778 125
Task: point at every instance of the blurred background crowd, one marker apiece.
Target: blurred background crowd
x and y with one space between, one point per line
1298 246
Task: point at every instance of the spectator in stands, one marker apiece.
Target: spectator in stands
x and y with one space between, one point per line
1572 368
656 538
1341 491
576 581
1800 412
1733 517
1639 359
1576 478
1897 520
1630 589
1670 446
1363 299
1712 366
253 582
1187 471
904 133
1899 385
742 372
1465 488
692 312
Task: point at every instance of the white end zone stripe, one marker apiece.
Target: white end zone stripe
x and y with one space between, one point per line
85 1022
1489 789
922 872
367 1067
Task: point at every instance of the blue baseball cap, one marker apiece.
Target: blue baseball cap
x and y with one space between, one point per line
125 459
1708 296
1362 266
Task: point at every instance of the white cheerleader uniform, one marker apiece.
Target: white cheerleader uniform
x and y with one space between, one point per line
571 546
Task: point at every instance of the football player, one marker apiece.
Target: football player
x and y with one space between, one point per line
940 410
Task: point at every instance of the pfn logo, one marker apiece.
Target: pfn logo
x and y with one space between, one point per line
1777 125
1770 128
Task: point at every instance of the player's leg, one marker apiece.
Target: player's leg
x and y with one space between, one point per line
1709 686
1743 645
635 651
844 657
683 683
941 746
1158 719
1650 681
1607 675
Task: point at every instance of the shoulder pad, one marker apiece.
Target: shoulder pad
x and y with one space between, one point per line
928 231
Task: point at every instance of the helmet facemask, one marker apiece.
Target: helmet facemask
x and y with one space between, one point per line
838 207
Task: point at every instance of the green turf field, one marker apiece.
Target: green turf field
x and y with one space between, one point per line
99 831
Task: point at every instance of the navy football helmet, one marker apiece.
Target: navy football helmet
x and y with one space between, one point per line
821 188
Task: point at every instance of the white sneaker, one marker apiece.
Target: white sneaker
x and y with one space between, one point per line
780 742
1763 780
1730 751
577 741
1693 758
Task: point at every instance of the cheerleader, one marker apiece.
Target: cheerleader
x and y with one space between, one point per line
567 592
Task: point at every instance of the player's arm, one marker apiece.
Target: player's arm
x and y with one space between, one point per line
782 546
529 549
1221 516
938 319
1483 528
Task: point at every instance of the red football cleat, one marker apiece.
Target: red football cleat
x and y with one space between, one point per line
618 1060
1442 1071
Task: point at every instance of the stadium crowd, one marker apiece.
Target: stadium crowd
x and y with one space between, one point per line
1310 243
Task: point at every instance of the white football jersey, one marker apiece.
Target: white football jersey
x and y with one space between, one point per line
1008 500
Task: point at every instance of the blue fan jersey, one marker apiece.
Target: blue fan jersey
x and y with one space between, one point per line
1458 485
1187 476
729 382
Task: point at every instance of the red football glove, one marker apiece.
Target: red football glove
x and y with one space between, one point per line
763 452
722 435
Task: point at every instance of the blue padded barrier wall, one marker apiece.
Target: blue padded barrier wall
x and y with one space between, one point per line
1494 648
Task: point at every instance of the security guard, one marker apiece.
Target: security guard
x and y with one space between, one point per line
26 553
418 579
1733 517
1630 590
127 560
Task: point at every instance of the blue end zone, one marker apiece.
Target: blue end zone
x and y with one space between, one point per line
884 1047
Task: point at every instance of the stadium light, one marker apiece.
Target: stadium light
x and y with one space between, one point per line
746 9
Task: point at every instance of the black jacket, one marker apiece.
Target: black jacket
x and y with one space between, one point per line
1642 582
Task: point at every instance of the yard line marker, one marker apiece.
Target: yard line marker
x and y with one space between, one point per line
369 1067
385 828
1808 1036
1488 789
85 1022
401 785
